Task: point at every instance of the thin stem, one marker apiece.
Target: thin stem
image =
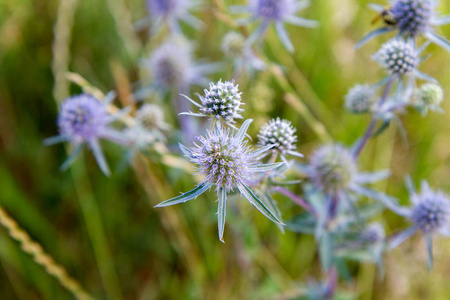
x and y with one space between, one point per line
42 258
294 197
373 122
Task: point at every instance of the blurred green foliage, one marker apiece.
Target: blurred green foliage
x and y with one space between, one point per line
105 230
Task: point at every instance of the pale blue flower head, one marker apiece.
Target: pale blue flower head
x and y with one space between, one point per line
226 162
172 12
332 167
235 46
172 67
398 57
361 98
429 214
221 101
85 119
277 12
280 134
412 18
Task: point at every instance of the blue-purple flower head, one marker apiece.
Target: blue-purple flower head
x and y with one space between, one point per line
361 98
431 211
412 18
398 57
223 159
171 66
429 214
281 135
221 101
171 12
226 162
82 118
273 10
332 168
277 12
85 119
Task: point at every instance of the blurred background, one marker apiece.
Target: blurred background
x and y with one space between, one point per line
105 231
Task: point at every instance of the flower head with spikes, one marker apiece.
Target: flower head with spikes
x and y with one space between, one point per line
429 214
84 119
221 101
171 12
280 134
226 162
412 18
277 12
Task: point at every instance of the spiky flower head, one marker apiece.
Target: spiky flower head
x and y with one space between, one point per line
222 100
233 44
224 159
360 99
82 118
167 7
151 117
413 17
226 162
430 94
397 57
171 64
332 168
272 9
280 134
373 233
431 211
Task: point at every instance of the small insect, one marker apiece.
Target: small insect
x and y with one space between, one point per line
387 16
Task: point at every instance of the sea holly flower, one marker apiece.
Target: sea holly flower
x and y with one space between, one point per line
280 134
149 127
361 98
235 46
83 119
429 214
429 97
227 163
277 12
171 12
221 102
412 18
400 59
172 67
333 170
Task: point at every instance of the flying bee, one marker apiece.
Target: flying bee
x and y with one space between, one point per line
387 16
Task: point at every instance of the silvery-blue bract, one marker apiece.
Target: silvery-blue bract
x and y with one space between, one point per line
226 162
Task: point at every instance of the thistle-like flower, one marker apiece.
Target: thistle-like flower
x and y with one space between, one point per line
412 18
333 170
84 119
221 101
235 46
429 214
172 12
149 127
361 98
171 66
400 58
226 162
429 97
280 134
277 12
